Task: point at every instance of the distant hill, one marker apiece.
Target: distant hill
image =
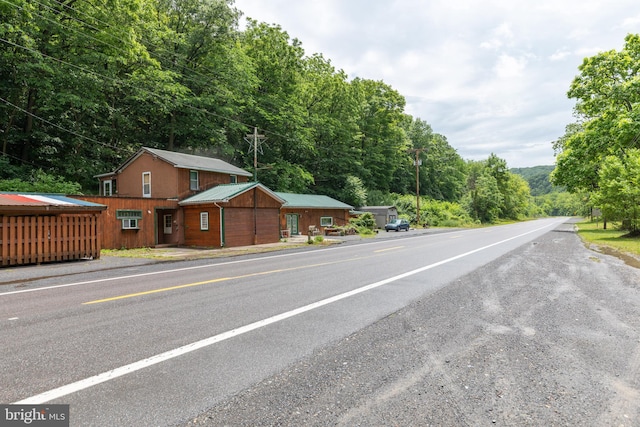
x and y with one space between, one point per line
538 179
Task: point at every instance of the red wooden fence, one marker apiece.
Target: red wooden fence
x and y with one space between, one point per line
36 239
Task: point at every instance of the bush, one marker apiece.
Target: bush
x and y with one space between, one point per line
365 221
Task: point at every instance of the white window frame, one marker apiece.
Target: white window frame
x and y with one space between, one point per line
146 193
194 184
326 221
107 184
130 224
204 221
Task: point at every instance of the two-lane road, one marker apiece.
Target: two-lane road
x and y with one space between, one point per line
159 344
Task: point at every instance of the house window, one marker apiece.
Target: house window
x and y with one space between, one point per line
204 221
193 180
130 218
146 184
130 224
234 179
326 221
106 188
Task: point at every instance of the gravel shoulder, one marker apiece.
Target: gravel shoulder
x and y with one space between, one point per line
547 335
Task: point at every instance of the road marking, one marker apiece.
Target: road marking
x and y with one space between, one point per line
177 270
77 386
220 279
389 249
197 267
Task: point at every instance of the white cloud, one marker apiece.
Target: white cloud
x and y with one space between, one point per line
559 55
508 66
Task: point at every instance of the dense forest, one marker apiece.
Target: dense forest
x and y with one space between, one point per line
83 85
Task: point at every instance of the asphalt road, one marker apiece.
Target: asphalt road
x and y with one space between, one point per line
512 325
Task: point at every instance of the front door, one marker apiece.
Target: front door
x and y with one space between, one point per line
168 224
292 223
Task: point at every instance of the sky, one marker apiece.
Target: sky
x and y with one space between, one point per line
491 76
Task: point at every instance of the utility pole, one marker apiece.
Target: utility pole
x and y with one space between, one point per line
255 141
418 163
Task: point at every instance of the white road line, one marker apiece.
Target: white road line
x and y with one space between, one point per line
162 357
153 273
133 276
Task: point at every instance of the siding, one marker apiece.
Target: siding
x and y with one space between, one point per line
114 237
239 229
308 217
239 226
203 238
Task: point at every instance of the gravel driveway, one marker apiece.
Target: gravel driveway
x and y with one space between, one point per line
547 335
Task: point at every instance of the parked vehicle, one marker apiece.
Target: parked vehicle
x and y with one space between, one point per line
397 225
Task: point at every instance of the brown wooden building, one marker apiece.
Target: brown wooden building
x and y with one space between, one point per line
134 222
142 195
160 174
40 228
302 211
232 215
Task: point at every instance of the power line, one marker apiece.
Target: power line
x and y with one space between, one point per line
116 80
159 48
58 126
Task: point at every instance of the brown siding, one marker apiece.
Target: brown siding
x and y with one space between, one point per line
308 217
240 225
35 239
204 238
164 178
167 181
206 180
114 237
240 228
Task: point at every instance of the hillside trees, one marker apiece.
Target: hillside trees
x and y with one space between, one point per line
442 172
84 84
493 192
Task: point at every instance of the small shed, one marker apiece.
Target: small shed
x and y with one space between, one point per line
232 215
38 228
302 211
382 214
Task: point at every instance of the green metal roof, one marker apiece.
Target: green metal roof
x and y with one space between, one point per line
225 192
311 201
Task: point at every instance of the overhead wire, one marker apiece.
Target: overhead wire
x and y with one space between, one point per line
146 41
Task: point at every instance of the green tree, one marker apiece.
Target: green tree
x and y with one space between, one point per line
618 195
354 192
383 144
608 106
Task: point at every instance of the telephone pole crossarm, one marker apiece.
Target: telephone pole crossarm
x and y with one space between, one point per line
255 141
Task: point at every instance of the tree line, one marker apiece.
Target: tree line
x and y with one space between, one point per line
598 157
84 84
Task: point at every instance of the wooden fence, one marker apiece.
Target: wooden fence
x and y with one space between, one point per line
36 239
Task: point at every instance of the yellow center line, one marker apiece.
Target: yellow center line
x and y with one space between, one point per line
389 249
220 279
